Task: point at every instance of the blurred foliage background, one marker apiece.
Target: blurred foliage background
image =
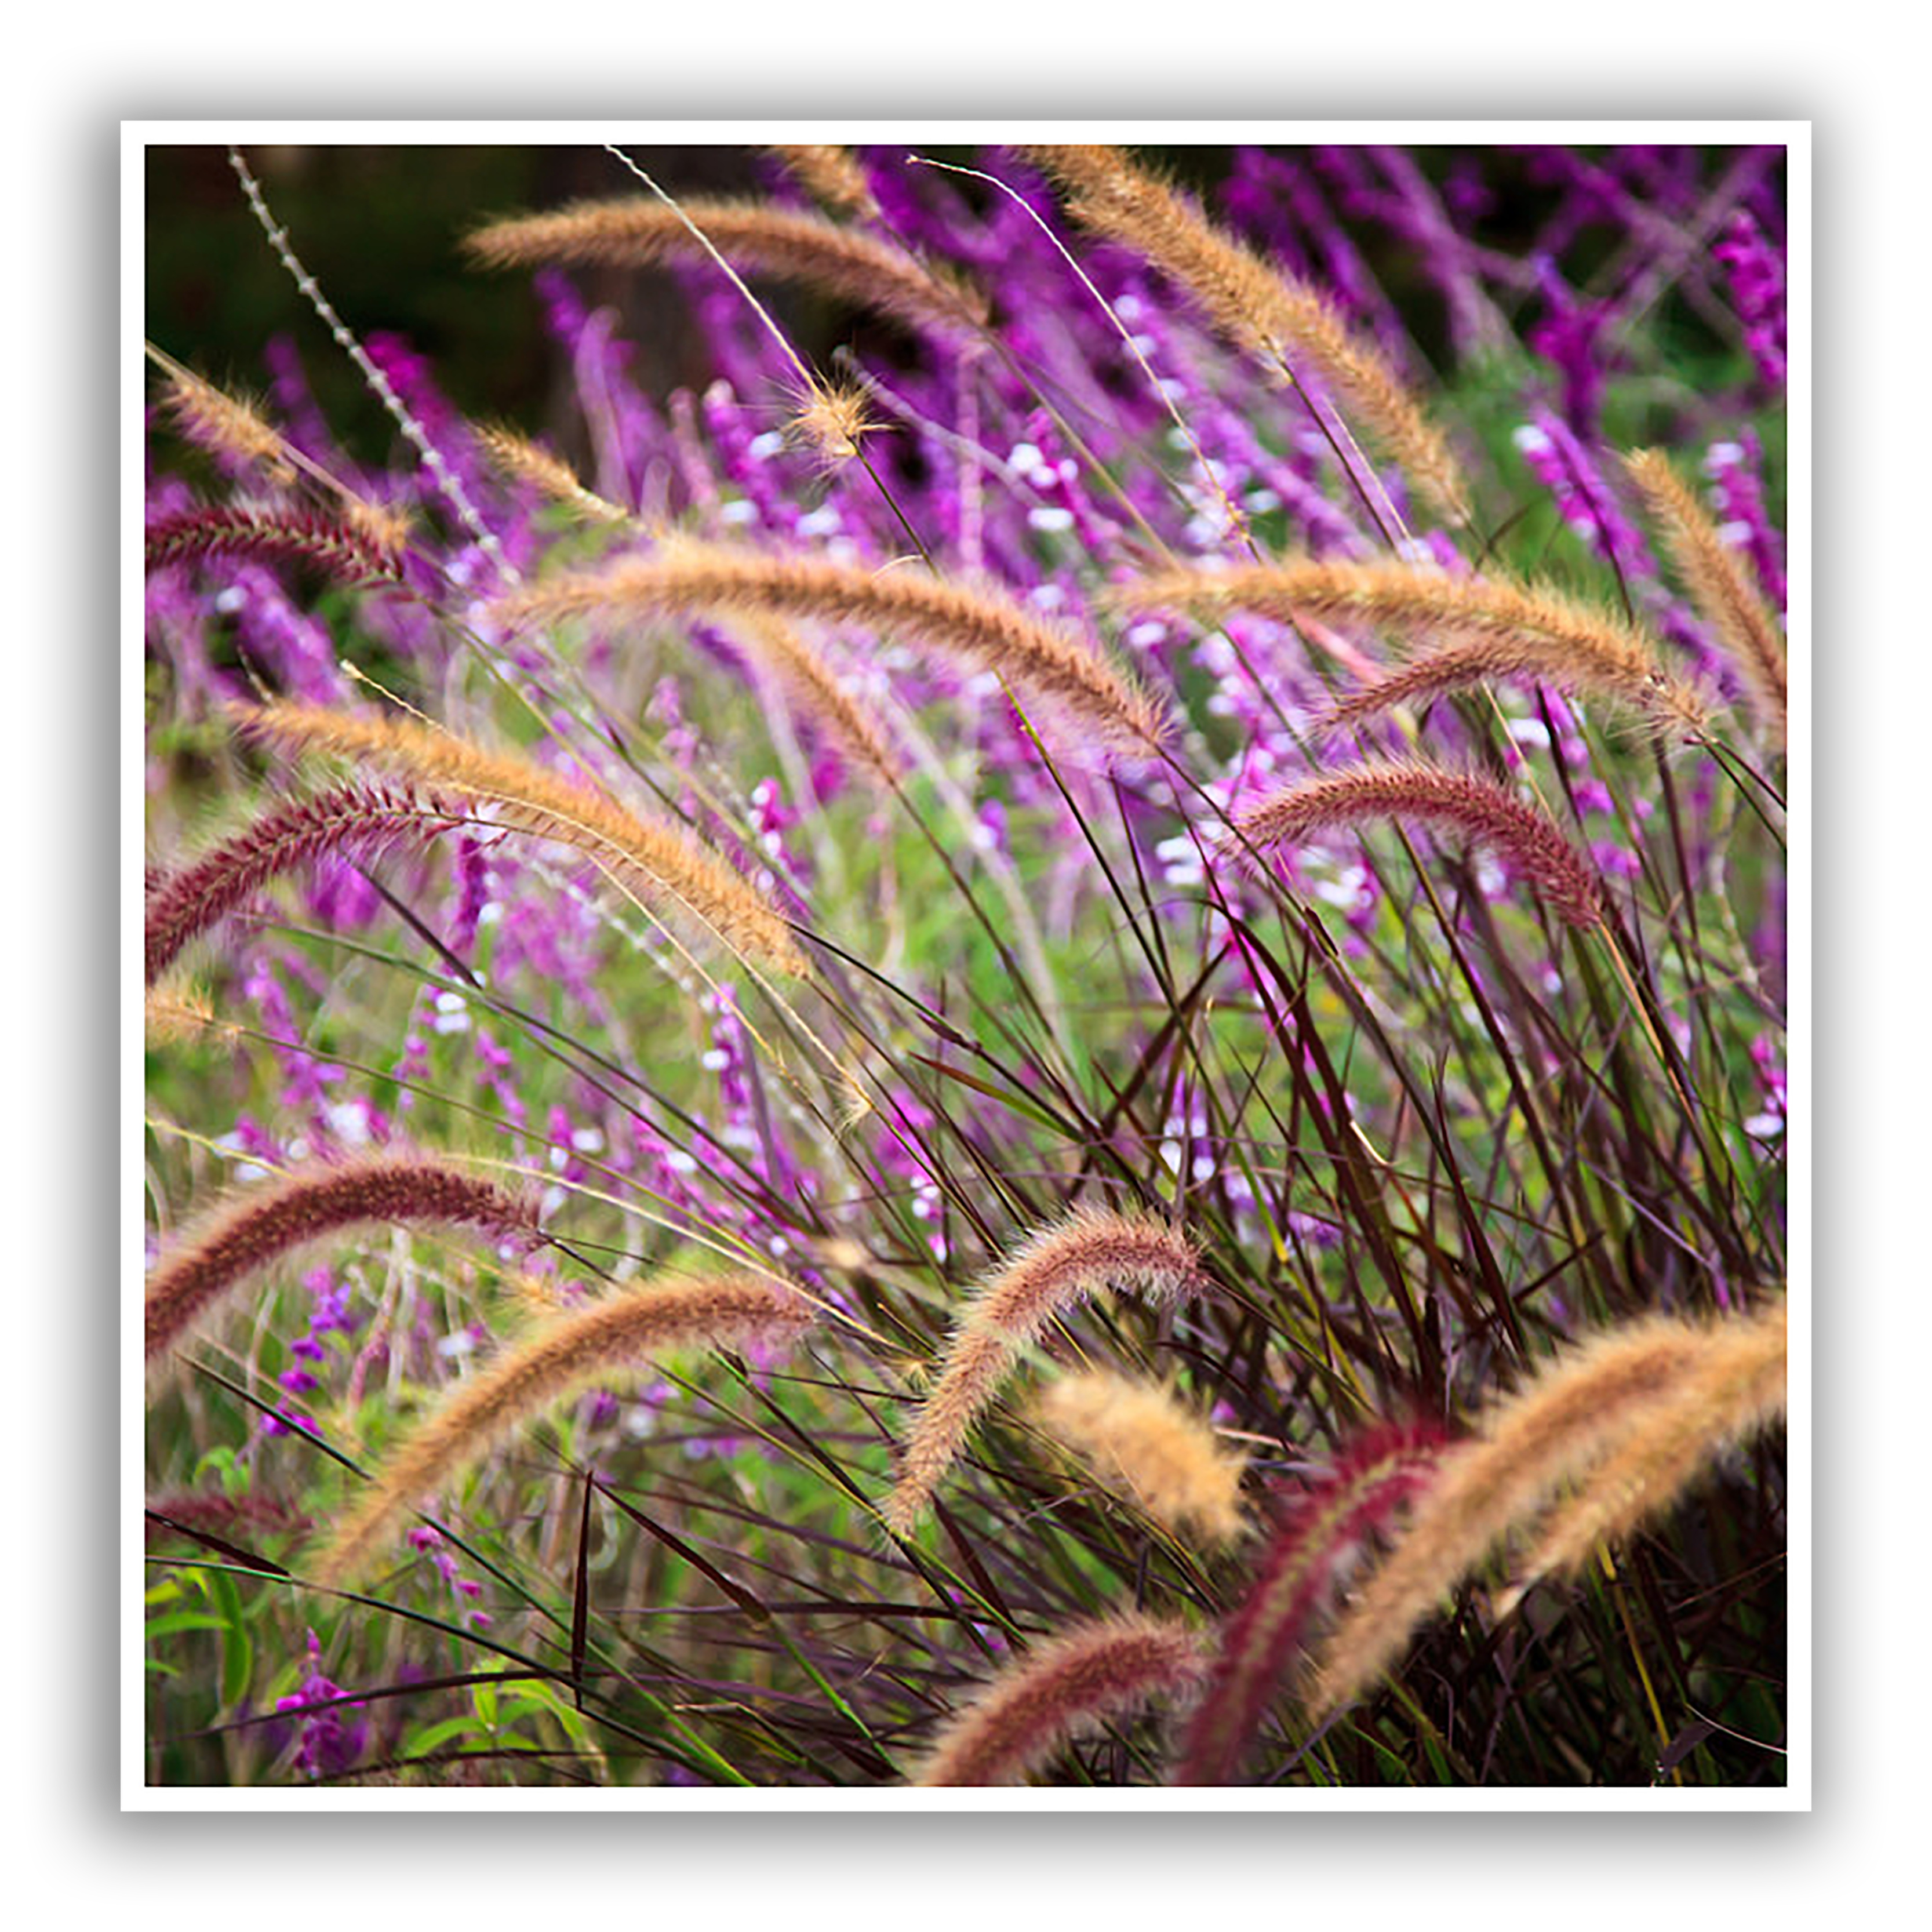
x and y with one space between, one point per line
380 227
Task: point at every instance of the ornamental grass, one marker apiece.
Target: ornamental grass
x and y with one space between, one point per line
1032 1033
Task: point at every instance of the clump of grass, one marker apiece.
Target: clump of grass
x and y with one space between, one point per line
1623 1386
965 769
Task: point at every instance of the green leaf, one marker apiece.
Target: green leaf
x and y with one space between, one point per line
238 1647
183 1620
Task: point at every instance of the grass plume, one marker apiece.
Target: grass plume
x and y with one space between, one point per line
1088 1252
609 1338
1478 808
261 1223
1554 1429
832 176
232 426
758 237
662 863
1258 305
1744 628
355 819
1467 631
1107 1668
352 549
1320 1532
523 461
988 632
814 688
1736 1387
1141 1440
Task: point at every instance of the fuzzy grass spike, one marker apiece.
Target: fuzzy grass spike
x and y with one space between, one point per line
609 1338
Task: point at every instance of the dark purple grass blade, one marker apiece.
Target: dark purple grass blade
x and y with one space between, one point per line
580 1609
746 1600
